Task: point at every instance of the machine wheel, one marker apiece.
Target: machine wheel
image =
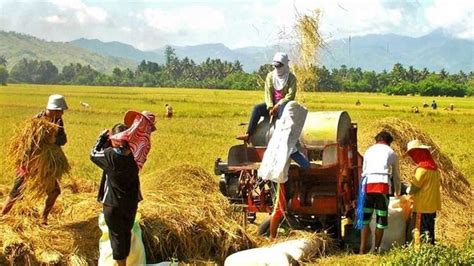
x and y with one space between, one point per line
264 227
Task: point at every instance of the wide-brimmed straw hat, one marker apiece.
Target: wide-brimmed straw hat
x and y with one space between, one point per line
131 115
56 102
416 144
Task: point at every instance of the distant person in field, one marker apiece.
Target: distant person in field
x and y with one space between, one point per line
280 88
168 111
424 189
358 103
380 169
53 112
434 105
121 154
451 107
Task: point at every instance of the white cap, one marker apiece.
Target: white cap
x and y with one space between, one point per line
280 58
56 102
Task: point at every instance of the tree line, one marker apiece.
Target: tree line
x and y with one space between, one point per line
217 74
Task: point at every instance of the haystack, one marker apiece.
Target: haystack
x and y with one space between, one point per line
71 236
454 221
185 217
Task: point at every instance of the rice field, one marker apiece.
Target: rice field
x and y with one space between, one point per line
203 128
205 121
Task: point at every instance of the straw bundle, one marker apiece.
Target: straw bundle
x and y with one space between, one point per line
72 236
455 218
31 149
186 218
309 42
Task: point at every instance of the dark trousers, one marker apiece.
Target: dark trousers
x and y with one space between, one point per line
120 221
427 230
261 110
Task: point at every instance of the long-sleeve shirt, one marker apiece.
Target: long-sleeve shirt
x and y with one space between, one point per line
120 184
380 168
427 198
289 90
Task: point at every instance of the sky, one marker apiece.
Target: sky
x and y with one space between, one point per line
148 24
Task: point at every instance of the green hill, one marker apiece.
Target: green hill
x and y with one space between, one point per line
15 46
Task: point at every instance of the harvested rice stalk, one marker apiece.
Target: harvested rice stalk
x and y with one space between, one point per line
76 260
73 234
309 43
31 151
185 217
15 249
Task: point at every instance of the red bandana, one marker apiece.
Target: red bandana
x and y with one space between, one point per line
423 158
138 136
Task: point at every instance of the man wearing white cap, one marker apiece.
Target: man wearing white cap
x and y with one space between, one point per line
280 88
424 189
53 112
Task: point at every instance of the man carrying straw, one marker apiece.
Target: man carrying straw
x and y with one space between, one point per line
36 154
120 186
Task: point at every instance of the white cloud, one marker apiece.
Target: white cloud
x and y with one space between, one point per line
187 19
55 19
91 15
456 17
126 29
69 4
83 13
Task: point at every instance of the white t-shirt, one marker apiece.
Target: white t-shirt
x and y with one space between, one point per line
381 163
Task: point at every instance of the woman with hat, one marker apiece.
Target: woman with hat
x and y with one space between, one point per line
53 113
280 88
121 155
424 189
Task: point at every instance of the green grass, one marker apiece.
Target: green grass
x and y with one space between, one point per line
206 121
438 254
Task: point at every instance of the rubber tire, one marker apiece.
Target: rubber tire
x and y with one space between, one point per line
264 227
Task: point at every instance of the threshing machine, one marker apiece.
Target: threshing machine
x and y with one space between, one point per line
317 198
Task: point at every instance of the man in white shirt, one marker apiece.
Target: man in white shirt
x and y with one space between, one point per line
379 170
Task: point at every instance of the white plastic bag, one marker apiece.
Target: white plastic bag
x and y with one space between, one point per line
137 249
395 233
276 162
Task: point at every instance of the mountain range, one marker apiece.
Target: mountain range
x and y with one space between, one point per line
16 46
377 52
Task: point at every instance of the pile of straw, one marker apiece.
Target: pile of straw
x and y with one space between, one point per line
72 236
31 148
185 217
454 221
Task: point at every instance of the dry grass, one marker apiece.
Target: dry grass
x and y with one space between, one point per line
309 43
45 163
71 236
185 217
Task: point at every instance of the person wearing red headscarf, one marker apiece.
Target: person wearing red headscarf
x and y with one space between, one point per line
121 155
424 189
